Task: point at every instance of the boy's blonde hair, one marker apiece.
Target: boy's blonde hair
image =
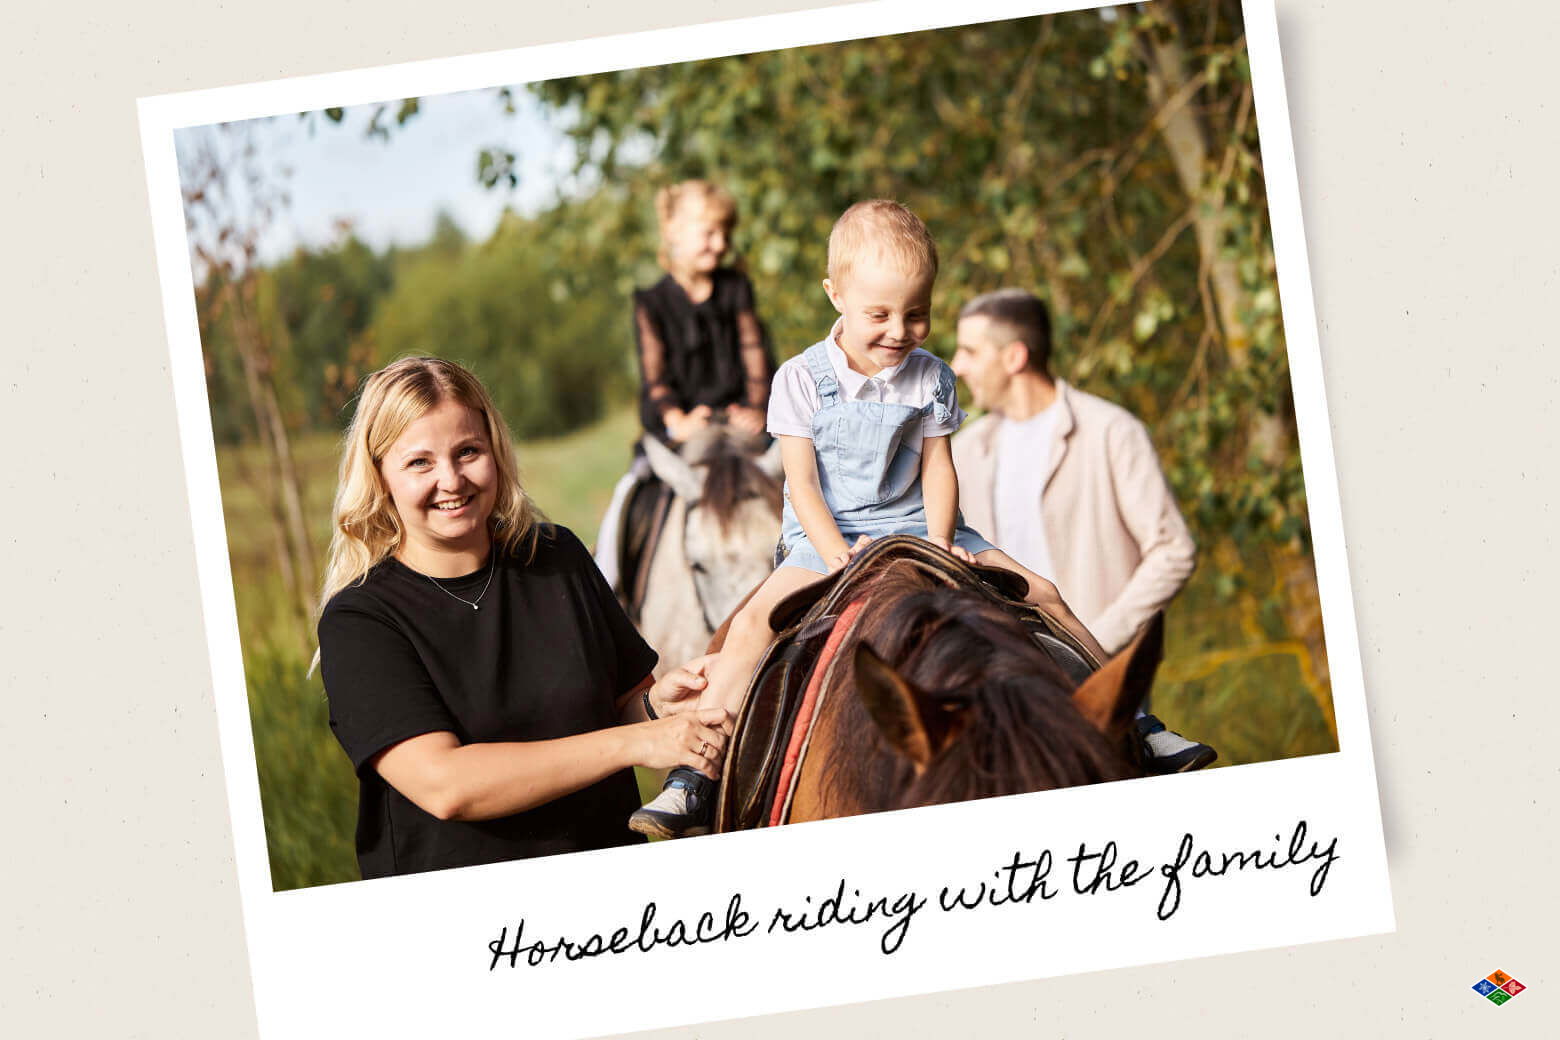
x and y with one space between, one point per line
881 229
717 201
365 527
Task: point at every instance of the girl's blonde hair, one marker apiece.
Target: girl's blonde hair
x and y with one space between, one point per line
717 201
365 527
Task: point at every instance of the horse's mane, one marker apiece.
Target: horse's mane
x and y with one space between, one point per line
1020 730
732 477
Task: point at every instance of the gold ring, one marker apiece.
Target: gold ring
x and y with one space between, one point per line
704 749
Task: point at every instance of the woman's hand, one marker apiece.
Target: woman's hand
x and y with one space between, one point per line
945 544
696 739
678 690
747 420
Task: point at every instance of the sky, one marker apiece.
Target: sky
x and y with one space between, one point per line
391 190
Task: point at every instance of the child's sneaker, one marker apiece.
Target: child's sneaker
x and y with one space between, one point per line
682 809
1166 751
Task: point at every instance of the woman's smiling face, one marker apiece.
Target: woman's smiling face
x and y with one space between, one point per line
443 481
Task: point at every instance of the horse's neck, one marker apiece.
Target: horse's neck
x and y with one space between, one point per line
671 620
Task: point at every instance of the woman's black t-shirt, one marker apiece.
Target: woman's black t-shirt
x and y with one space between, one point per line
546 656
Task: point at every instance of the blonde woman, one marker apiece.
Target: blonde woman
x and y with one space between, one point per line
482 679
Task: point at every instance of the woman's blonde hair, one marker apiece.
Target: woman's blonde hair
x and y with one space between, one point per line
717 201
365 527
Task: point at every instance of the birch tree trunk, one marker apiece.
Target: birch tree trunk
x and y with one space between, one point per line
1172 88
295 553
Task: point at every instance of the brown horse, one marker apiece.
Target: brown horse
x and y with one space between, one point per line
971 706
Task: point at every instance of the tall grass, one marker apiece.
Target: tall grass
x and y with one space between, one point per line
1229 678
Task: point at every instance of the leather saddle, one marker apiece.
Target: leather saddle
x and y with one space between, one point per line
640 527
770 737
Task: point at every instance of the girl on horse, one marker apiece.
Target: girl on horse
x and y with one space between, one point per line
702 351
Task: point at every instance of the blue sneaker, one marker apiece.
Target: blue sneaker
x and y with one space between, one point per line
682 809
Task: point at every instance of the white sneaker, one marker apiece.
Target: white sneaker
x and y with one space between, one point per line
1169 752
682 809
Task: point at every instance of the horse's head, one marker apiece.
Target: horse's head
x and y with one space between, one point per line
972 708
730 491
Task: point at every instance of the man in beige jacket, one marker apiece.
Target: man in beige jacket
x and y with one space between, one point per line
1069 485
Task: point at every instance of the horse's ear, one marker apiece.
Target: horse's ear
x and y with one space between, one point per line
1110 697
769 462
914 726
673 470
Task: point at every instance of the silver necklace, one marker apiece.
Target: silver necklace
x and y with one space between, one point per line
472 603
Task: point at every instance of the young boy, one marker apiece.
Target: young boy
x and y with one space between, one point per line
863 418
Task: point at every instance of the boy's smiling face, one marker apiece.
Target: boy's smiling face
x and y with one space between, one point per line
886 312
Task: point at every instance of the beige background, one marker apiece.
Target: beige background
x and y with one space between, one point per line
1426 137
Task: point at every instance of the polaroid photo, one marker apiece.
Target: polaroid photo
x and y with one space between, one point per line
955 372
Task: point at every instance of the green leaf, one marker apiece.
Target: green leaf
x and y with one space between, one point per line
1145 324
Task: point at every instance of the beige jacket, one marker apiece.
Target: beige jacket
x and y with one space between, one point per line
1118 543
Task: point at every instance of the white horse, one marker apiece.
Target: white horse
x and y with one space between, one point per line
718 542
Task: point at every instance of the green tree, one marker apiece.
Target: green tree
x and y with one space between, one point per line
525 311
231 195
449 238
318 306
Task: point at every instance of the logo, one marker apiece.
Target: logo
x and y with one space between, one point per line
1497 987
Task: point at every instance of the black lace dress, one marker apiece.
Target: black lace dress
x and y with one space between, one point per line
713 353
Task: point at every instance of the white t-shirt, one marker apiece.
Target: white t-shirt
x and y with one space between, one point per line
793 399
1023 463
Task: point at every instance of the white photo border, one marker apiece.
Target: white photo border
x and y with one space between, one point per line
405 956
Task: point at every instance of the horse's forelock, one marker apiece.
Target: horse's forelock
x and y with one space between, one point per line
732 476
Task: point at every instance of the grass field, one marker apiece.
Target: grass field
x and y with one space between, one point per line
1231 677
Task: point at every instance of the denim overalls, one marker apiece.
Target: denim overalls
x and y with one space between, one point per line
870 475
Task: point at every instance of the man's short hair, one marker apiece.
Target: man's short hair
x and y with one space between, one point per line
880 229
1016 314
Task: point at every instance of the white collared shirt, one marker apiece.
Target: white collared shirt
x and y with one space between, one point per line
793 399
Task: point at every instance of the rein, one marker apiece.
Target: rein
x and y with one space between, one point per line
712 623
